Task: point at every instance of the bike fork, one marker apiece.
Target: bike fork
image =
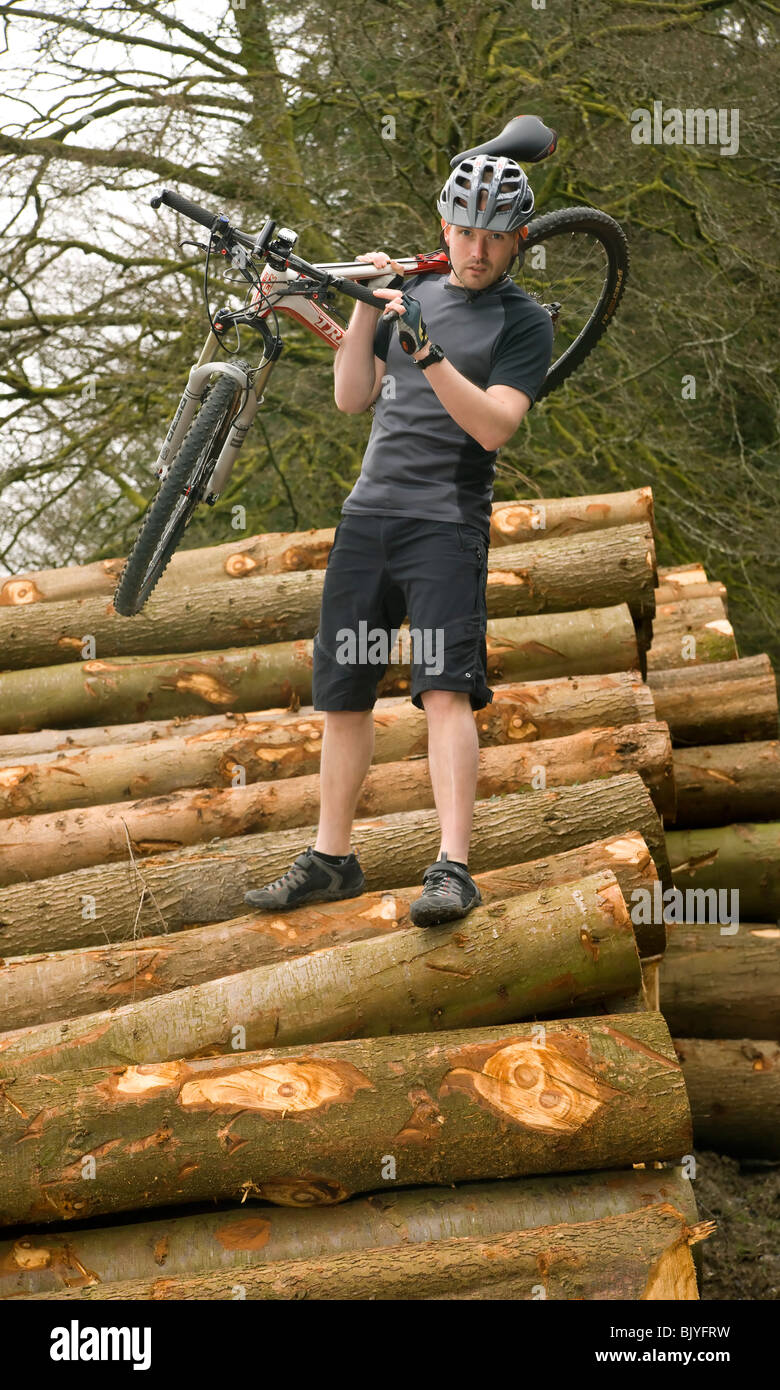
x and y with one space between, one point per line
193 394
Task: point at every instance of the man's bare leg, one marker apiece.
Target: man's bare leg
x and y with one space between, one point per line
347 750
453 760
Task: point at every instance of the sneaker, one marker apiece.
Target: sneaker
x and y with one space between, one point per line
449 892
310 879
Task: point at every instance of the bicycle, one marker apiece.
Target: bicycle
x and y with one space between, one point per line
221 398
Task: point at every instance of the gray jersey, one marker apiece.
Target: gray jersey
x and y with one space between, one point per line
418 461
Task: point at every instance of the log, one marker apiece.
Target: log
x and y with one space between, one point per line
671 591
45 845
279 552
519 712
734 1090
726 782
590 642
206 883
66 984
514 523
480 1103
690 632
682 574
720 702
742 859
597 571
717 985
559 947
244 1238
639 1255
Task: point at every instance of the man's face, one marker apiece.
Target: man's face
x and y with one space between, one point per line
479 257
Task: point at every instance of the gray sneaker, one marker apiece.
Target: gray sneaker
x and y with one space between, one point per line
310 879
449 892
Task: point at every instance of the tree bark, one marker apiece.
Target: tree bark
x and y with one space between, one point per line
744 858
279 552
690 632
734 1090
597 571
66 984
45 845
308 1126
718 986
720 702
558 947
245 1237
118 902
519 712
541 647
638 1255
726 782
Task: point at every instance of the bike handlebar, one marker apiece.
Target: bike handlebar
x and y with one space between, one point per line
258 244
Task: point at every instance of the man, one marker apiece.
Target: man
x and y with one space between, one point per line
471 351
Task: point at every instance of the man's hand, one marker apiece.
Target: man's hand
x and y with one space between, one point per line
412 333
380 259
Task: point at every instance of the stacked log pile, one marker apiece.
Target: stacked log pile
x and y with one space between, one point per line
161 1047
720 977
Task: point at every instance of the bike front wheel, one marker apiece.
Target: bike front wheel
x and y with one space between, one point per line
180 492
575 261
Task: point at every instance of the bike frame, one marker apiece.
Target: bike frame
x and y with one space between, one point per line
276 297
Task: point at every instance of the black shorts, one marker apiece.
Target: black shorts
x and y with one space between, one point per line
382 569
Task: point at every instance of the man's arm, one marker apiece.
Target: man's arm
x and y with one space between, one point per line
491 416
357 371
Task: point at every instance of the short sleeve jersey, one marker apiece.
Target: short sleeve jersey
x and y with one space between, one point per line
418 461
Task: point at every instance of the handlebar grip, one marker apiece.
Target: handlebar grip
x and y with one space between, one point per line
184 206
356 291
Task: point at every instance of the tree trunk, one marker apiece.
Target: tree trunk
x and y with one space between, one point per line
307 1126
552 518
682 574
119 902
591 642
638 1255
721 986
278 552
65 984
727 782
671 591
44 845
730 858
723 702
555 948
519 712
690 632
245 1238
734 1089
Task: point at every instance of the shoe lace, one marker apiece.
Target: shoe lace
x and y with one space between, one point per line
438 881
291 878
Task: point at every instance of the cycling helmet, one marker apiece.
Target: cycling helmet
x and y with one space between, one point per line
509 201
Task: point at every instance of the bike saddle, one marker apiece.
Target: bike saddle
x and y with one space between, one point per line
524 138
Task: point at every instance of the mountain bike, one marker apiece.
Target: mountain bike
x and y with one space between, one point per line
574 261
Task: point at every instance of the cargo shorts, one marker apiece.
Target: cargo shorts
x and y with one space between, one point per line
382 569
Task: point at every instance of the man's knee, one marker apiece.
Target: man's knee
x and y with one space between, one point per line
443 701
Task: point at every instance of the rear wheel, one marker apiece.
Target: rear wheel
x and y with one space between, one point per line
575 261
180 492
